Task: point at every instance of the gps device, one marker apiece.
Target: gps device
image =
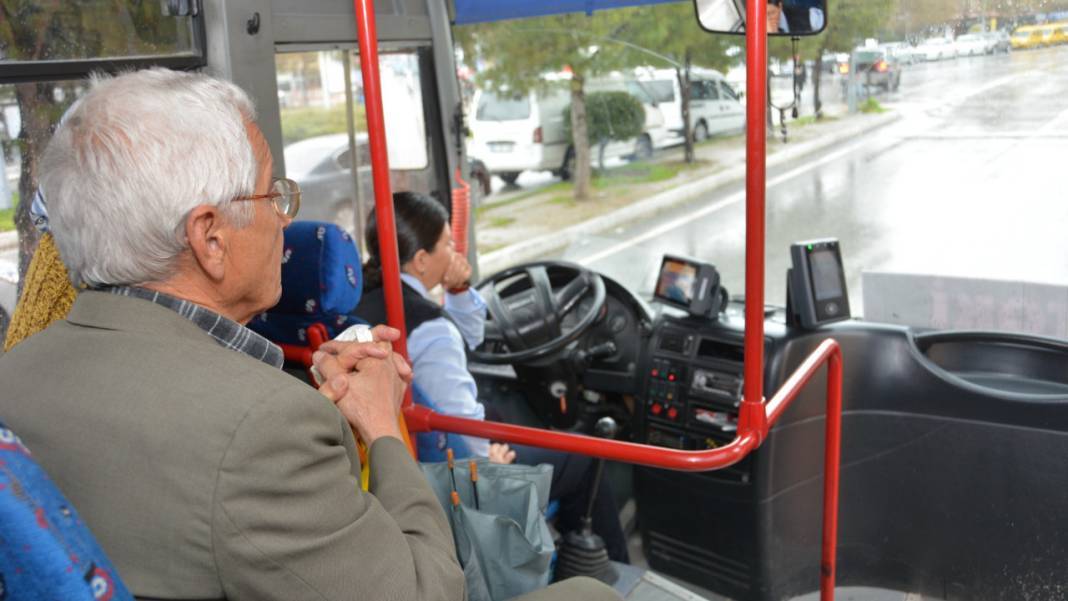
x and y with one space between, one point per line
690 285
816 287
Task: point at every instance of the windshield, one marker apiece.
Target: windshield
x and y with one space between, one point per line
493 107
944 167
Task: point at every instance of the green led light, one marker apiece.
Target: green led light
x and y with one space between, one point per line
810 247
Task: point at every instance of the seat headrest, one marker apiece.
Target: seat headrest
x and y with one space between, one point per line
321 271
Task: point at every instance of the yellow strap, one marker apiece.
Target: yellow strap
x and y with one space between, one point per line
47 294
365 454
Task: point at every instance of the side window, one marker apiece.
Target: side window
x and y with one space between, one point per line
712 91
728 92
318 115
344 160
698 90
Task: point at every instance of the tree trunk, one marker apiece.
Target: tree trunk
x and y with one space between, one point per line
580 138
817 102
683 75
36 105
817 72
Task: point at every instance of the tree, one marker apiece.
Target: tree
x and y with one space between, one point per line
670 31
519 54
611 116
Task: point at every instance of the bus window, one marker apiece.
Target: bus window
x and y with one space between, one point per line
93 31
316 112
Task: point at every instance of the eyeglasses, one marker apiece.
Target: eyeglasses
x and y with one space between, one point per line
284 195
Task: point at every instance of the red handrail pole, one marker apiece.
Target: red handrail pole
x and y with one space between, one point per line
367 36
828 352
751 414
831 464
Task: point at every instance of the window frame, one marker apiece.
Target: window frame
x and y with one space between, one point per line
58 70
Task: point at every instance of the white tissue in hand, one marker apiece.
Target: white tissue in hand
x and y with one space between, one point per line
356 333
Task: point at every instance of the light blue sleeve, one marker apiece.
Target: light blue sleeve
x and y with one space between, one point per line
440 365
468 312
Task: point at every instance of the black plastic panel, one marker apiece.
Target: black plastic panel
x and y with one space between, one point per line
953 479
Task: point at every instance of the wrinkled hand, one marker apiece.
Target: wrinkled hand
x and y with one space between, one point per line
348 354
500 453
366 381
458 273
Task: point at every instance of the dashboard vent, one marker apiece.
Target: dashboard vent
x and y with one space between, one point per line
674 343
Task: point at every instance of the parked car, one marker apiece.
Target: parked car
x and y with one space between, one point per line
512 133
936 49
715 106
999 41
1054 34
902 51
832 62
323 167
877 68
1026 37
973 44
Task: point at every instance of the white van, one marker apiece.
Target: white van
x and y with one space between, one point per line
715 107
526 132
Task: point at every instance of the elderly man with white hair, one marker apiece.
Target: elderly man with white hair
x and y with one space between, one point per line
205 471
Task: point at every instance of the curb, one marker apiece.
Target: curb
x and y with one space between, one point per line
495 261
9 241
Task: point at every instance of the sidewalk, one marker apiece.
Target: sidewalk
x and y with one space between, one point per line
525 226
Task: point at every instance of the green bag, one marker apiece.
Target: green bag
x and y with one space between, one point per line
504 545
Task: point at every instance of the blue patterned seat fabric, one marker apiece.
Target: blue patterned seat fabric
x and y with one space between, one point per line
46 551
322 283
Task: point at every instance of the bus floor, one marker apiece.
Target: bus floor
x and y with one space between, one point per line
654 586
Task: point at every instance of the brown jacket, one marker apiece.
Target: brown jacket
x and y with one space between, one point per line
206 474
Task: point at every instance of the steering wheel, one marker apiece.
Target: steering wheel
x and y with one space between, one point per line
528 305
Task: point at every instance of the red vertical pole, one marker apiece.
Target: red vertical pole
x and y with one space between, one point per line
751 413
832 461
367 37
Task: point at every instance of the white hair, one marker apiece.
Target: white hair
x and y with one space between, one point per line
132 159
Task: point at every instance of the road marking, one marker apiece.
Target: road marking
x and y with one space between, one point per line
722 204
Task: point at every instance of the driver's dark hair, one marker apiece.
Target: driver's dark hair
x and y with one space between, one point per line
419 219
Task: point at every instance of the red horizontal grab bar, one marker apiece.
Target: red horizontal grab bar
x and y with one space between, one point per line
422 419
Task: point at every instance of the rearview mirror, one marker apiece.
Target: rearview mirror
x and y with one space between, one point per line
785 17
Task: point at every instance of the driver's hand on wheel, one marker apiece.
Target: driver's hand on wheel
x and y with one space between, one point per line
500 453
458 275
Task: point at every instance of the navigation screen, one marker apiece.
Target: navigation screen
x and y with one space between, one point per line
826 274
676 281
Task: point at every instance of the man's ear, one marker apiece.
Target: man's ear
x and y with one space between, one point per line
206 230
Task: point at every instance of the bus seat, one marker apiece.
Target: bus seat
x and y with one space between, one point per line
432 446
321 286
321 283
46 551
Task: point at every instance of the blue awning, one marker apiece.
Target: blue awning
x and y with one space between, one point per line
480 11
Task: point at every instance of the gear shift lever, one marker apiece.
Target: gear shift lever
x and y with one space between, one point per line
583 552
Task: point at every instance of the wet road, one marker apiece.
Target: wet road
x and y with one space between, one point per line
971 181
